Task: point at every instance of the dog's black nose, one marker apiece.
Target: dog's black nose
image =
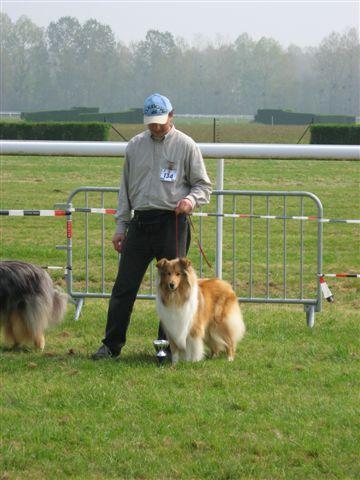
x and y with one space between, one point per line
171 285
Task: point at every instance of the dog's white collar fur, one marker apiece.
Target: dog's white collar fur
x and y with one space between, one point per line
177 319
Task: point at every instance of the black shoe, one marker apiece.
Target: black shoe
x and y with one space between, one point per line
103 353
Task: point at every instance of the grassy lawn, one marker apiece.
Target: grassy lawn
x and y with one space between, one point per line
225 131
286 408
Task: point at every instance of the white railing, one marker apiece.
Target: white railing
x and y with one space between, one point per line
10 114
209 150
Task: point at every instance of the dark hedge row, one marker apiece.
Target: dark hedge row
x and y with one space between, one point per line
82 114
282 117
94 131
335 134
71 115
134 115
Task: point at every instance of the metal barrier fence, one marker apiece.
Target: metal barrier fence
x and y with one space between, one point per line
264 246
277 275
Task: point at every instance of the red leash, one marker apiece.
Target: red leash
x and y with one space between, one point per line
198 241
188 219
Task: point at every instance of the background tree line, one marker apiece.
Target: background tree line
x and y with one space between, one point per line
69 64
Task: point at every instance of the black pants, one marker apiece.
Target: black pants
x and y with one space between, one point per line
151 234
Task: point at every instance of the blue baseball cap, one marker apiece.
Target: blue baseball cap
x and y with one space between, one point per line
156 109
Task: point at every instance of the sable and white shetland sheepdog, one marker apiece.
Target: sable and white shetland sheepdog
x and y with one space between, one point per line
28 303
196 311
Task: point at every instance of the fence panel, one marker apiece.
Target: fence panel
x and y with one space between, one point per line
271 250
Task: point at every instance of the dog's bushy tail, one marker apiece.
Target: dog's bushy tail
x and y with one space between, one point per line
59 305
45 309
27 293
236 323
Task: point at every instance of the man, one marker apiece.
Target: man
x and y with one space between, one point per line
164 179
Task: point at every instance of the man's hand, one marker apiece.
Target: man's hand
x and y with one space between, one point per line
117 240
184 206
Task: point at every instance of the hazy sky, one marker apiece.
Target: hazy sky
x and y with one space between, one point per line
303 23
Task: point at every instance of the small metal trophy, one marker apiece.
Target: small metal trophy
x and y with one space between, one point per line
160 347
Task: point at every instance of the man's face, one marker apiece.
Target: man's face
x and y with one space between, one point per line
158 129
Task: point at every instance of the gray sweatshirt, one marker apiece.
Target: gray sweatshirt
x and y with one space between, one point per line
159 173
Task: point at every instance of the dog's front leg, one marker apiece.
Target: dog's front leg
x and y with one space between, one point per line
175 357
175 353
178 355
194 349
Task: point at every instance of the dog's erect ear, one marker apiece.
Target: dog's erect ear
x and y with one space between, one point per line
185 263
161 263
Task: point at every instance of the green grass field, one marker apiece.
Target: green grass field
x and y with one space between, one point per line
202 130
286 408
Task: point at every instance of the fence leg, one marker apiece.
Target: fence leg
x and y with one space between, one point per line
79 305
219 220
310 315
